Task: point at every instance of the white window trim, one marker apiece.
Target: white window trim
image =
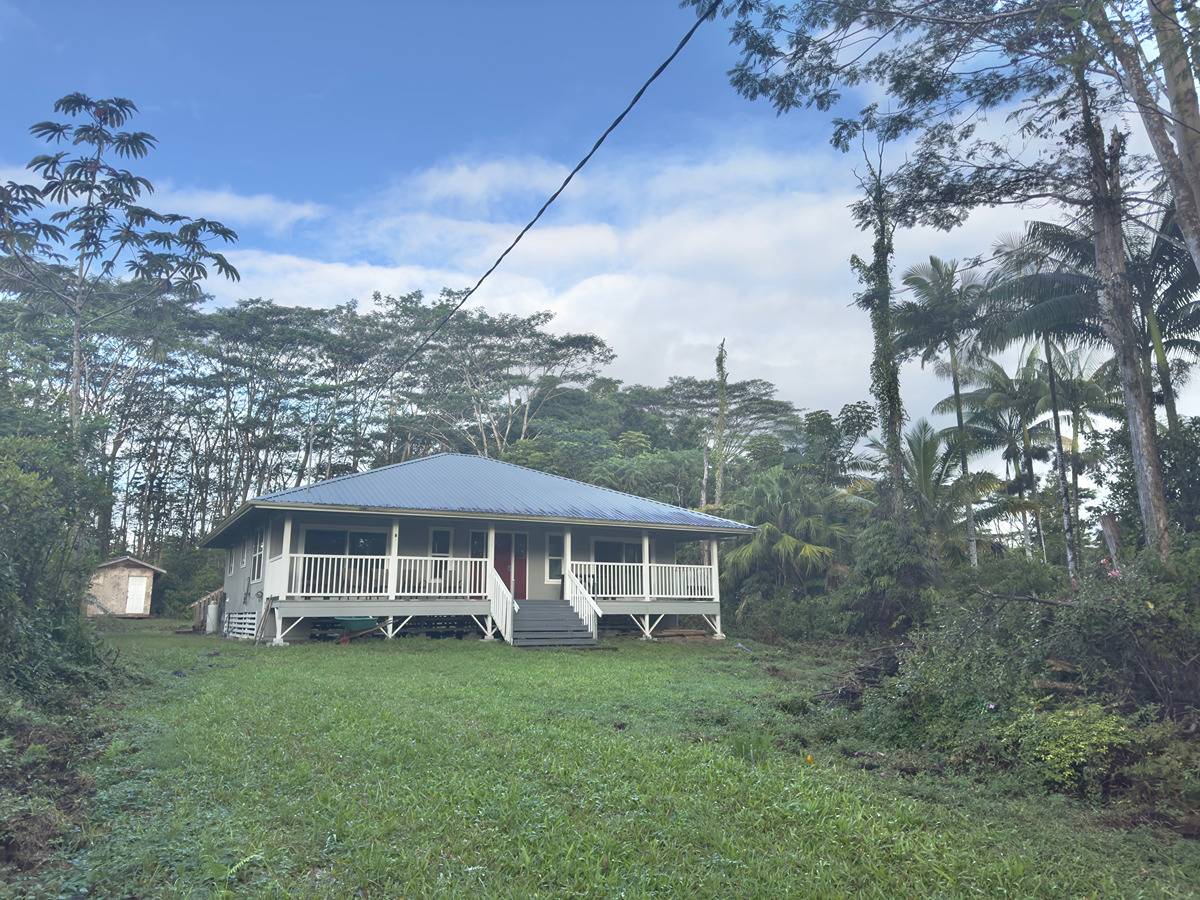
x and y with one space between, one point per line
229 566
562 558
450 544
259 557
471 538
245 551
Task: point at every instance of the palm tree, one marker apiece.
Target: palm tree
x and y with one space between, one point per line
1017 397
1039 292
1087 381
1163 281
934 491
945 316
799 528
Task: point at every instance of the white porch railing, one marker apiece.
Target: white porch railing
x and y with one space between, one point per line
668 581
338 575
439 576
503 607
602 579
674 581
582 602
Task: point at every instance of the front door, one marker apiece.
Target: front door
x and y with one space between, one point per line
512 563
135 595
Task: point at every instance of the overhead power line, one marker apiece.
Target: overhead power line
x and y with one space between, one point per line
683 42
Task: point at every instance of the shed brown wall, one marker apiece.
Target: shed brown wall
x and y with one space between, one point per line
109 591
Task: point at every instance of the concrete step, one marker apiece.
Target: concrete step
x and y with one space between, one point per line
587 641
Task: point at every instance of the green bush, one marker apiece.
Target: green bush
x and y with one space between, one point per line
1075 748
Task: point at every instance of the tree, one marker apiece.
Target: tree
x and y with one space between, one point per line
98 227
1119 33
935 494
1003 413
876 299
944 64
947 312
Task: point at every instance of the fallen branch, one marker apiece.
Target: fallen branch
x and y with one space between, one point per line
1025 598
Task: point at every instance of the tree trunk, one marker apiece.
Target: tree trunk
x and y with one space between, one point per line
1060 465
1116 303
719 427
972 547
885 372
1027 458
1178 157
1164 370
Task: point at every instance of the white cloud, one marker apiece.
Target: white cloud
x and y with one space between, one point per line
478 184
265 211
662 258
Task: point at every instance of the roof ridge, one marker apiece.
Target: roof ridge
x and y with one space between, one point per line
348 475
598 487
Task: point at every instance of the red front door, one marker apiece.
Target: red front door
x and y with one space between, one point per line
511 563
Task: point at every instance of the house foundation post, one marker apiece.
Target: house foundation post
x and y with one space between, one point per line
718 634
279 641
646 566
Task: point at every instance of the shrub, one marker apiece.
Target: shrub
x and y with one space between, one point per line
887 588
1075 748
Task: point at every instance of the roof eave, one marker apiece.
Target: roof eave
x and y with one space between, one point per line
731 529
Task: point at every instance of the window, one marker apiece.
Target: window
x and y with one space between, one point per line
616 551
229 561
479 545
367 543
256 571
554 557
245 552
338 542
439 541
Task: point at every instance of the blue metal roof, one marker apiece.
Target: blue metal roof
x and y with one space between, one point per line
459 483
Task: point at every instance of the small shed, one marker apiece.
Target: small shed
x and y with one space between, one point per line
122 587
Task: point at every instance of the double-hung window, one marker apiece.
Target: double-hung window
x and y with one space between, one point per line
554 557
256 570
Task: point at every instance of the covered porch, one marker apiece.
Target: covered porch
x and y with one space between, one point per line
361 566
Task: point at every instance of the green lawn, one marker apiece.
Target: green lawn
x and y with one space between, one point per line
424 767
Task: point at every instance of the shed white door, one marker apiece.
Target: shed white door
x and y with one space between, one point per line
136 598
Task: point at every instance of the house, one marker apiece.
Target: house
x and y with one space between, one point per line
122 587
533 557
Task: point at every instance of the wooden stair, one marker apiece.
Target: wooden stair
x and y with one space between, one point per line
549 623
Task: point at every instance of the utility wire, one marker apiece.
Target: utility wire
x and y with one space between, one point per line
683 42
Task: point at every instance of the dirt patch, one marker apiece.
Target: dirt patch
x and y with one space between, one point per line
1187 826
43 787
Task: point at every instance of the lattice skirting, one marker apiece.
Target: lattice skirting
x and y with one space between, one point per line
241 624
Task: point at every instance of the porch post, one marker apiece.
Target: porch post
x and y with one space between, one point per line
287 555
491 563
566 552
646 565
394 562
716 587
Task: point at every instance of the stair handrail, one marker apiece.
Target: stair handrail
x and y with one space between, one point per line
582 602
503 607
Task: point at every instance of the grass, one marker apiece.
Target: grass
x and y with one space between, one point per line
462 768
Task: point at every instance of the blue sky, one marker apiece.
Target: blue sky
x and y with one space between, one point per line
371 146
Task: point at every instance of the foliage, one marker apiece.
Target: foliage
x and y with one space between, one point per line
1074 748
48 649
887 588
1181 474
